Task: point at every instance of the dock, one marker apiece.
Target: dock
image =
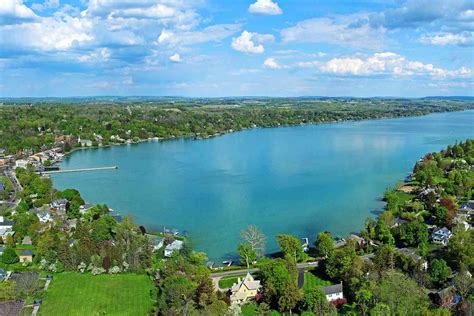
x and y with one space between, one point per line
80 170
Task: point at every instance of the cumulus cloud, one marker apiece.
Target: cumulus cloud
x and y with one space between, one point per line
386 63
47 4
249 42
175 58
442 39
214 33
265 7
271 63
14 11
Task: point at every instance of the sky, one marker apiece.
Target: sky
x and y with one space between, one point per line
215 48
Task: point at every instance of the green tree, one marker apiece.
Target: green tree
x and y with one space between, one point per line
247 254
439 270
177 296
315 301
325 244
9 256
461 248
363 298
290 246
380 309
340 262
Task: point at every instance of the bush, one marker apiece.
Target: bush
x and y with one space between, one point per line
9 256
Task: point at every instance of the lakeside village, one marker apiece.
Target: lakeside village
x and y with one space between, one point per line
415 258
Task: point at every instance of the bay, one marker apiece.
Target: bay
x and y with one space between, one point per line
299 180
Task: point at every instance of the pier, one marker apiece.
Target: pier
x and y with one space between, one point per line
80 170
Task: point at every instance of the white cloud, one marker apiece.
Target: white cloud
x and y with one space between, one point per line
386 63
249 42
99 55
338 31
175 58
265 7
271 63
442 39
12 11
214 33
47 4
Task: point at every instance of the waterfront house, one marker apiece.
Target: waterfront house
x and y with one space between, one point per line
26 255
176 245
84 208
333 292
244 290
58 206
397 222
156 242
339 242
85 142
423 264
441 236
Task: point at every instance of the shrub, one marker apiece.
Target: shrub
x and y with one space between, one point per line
9 256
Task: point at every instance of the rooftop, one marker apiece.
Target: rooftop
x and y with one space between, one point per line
333 289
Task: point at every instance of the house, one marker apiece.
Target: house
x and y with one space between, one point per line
244 290
333 292
423 195
176 245
339 242
467 208
4 232
44 215
156 242
360 242
418 259
442 297
26 255
397 222
84 208
26 241
441 236
84 142
21 163
58 206
6 224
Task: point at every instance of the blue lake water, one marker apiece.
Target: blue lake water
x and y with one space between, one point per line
299 180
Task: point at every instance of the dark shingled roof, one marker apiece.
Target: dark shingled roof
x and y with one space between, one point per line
11 308
26 252
333 289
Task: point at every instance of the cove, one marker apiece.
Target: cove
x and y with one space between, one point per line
298 180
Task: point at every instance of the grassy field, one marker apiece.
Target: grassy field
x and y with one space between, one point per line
227 282
84 294
311 280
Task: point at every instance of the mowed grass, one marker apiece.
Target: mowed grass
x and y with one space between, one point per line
227 282
73 293
311 281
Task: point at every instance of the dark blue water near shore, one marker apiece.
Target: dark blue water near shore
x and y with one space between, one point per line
298 180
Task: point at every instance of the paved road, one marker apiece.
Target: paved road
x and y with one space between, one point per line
238 272
15 199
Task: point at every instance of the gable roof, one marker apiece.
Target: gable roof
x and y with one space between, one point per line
249 282
26 252
333 289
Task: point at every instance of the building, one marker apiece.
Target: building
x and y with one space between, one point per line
442 297
84 208
176 245
26 255
418 259
44 215
156 242
6 224
333 292
21 163
441 236
467 208
244 290
85 142
58 206
26 240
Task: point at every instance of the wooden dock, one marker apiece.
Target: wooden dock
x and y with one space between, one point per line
81 170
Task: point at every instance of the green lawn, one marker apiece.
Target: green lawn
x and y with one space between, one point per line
227 282
73 293
311 280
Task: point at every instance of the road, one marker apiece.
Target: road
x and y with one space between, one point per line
219 275
14 200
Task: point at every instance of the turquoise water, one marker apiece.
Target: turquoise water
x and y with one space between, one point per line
298 180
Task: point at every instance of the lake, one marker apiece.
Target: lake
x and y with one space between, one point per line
298 180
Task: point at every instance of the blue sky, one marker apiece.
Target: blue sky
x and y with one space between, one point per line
236 47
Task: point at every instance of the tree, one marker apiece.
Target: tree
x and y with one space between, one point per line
363 298
380 309
325 244
383 234
9 256
315 301
276 279
7 291
290 246
439 270
463 283
253 236
289 298
461 248
340 262
247 254
177 296
401 294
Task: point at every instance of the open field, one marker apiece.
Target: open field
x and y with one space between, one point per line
84 294
311 280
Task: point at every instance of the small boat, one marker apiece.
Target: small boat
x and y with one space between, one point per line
227 263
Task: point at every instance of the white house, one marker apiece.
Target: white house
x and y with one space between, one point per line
174 246
333 292
441 236
21 163
59 205
6 224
